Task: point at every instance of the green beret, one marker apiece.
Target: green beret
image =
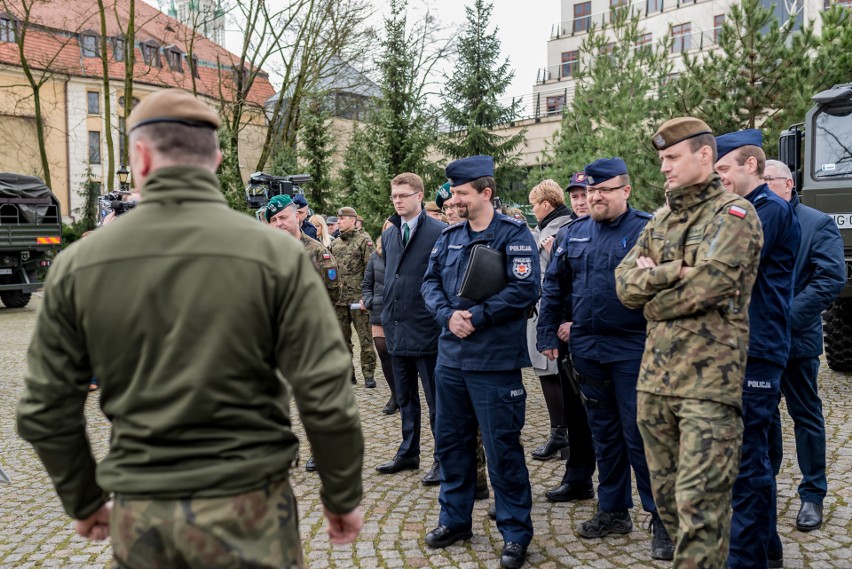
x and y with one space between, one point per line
443 194
276 205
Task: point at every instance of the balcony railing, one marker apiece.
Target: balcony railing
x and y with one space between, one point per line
699 40
581 25
541 104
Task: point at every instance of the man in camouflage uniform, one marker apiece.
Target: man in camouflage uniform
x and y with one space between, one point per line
280 213
213 318
692 271
352 251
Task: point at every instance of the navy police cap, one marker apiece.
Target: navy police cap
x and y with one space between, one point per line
300 201
578 180
469 169
733 140
604 169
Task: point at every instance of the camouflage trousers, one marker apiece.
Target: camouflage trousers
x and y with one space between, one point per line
256 530
693 452
361 320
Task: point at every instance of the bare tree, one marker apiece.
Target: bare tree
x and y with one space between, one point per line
104 56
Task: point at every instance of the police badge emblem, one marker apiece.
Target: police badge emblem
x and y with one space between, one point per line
522 267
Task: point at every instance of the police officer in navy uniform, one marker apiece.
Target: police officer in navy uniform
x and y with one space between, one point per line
302 212
481 350
740 164
606 341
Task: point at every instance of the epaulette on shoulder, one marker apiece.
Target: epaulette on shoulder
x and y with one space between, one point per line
760 197
452 227
644 214
512 220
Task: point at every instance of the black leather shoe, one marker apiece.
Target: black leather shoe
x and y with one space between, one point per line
390 407
514 555
775 559
557 441
399 464
569 493
482 493
810 517
311 465
370 382
433 477
442 536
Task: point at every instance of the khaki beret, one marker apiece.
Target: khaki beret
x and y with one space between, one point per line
174 106
346 212
677 130
433 206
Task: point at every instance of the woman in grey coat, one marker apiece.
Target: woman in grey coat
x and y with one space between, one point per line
548 204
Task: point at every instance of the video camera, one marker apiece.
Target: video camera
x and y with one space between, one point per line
113 202
262 187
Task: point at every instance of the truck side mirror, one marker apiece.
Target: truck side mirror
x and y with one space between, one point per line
790 152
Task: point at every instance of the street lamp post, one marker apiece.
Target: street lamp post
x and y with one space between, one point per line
123 174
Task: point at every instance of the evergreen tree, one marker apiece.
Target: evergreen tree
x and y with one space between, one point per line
230 177
316 147
470 98
753 75
617 105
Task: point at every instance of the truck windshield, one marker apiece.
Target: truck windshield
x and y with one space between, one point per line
833 142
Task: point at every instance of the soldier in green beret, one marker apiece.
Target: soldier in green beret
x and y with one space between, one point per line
353 250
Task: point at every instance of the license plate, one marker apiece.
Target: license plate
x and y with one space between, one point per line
843 220
5 271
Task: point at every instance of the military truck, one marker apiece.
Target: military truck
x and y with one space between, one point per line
30 236
823 175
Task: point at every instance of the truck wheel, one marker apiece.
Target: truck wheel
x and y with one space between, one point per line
838 334
15 298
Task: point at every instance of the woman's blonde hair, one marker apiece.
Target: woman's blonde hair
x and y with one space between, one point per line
385 225
322 229
548 191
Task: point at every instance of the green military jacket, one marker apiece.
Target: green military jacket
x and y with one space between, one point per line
325 264
200 324
352 251
697 325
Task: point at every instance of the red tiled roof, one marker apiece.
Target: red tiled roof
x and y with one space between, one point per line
52 43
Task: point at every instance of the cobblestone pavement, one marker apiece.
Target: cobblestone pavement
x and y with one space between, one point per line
398 510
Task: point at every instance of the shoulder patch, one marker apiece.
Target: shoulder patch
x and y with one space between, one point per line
370 243
522 267
738 211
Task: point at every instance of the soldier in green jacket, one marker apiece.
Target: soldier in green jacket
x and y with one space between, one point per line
352 251
197 358
692 270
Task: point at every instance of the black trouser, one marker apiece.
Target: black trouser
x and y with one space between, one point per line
580 465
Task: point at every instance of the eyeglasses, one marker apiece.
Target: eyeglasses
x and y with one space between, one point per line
603 191
397 197
773 178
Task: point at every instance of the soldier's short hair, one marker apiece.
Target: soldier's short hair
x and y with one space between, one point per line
743 153
480 184
548 191
696 142
182 144
410 179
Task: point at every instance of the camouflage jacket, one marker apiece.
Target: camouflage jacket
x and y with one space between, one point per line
697 324
325 264
352 251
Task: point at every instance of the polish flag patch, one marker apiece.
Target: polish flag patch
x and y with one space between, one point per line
738 211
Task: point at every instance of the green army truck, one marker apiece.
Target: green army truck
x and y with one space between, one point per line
823 174
30 236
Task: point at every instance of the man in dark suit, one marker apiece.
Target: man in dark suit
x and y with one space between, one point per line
410 330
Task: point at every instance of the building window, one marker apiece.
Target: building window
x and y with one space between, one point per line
654 6
681 38
570 59
582 16
617 3
555 104
174 58
7 29
93 102
118 49
94 147
718 22
192 62
643 42
151 54
89 45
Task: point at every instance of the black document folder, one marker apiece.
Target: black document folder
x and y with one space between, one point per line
485 275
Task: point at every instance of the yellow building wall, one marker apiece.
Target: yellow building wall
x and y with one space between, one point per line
19 147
